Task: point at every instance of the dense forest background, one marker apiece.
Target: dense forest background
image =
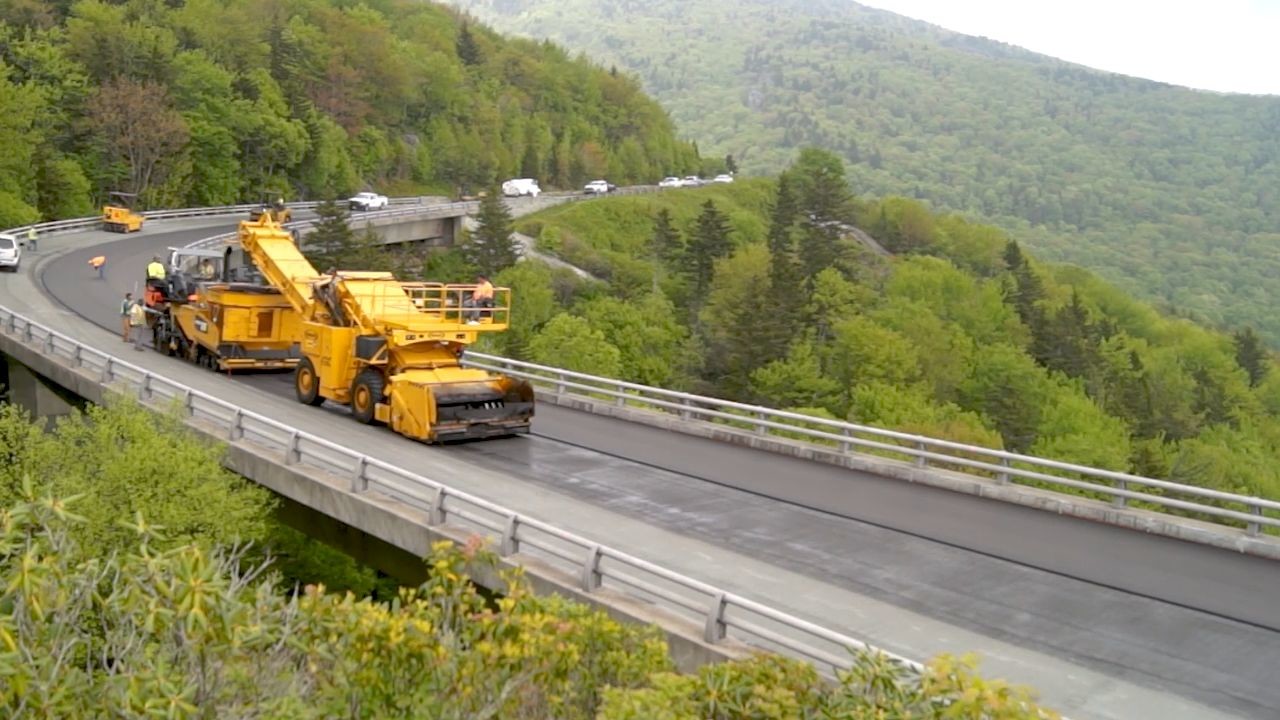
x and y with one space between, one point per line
214 101
1172 192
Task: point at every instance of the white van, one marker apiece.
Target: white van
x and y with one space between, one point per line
10 253
520 187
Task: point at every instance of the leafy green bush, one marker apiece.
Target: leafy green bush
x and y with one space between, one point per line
185 632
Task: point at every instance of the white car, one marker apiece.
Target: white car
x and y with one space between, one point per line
693 181
722 179
598 187
668 182
368 201
10 253
520 187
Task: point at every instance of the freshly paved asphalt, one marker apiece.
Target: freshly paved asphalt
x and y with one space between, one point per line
1195 622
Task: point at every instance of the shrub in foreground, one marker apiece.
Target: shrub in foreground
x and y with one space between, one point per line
185 632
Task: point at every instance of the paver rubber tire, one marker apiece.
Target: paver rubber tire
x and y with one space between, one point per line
366 393
306 383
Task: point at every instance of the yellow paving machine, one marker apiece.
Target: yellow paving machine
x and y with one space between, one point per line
390 349
118 214
272 204
200 314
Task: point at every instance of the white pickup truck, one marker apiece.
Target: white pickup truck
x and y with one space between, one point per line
368 201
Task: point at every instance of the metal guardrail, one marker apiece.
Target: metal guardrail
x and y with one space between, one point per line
722 614
57 226
1222 508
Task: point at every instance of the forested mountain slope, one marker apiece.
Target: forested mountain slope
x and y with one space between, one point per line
1173 192
214 101
756 293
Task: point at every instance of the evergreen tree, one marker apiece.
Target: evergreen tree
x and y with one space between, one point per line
332 237
786 292
730 164
1025 295
666 245
491 246
1251 355
824 205
467 49
1070 343
708 242
531 164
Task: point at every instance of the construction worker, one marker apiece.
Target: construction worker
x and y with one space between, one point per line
482 296
98 263
125 307
155 269
137 323
32 236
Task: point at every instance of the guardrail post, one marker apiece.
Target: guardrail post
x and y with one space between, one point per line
144 389
107 374
685 412
845 445
77 355
26 331
760 427
922 461
621 400
1120 501
11 324
189 402
1002 478
591 569
716 629
510 543
359 480
437 514
48 344
1254 528
560 383
235 432
292 453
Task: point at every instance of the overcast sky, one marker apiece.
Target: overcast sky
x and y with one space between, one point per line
1224 45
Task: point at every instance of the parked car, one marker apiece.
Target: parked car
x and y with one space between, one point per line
693 181
520 187
722 179
599 187
670 182
10 253
368 201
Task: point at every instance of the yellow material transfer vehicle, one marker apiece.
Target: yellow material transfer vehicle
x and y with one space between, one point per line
389 349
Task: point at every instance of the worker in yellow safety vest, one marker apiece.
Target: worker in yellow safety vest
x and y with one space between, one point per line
155 269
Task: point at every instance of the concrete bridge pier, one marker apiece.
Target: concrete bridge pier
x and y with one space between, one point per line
28 390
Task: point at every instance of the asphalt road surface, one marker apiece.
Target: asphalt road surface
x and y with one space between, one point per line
1184 619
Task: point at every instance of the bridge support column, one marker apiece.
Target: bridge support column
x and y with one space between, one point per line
450 231
28 390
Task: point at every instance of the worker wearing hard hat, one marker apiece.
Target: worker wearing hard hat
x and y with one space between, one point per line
155 269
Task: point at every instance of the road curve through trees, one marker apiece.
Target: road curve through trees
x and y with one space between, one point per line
912 569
